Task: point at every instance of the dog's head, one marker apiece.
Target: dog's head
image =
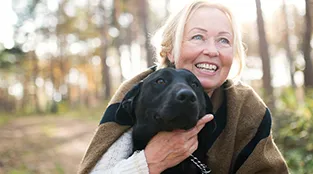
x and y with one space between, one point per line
167 99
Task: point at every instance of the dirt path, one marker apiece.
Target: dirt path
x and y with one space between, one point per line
44 145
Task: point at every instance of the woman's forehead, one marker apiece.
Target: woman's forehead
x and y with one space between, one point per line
208 18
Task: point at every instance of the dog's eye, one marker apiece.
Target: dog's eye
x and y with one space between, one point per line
194 84
160 81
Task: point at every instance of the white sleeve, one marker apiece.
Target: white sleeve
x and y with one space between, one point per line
117 161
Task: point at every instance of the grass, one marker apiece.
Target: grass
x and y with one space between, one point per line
22 170
4 119
39 132
83 113
64 110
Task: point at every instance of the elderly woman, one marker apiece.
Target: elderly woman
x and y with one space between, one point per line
204 38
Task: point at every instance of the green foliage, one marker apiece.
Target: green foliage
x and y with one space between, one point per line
64 110
294 130
10 57
4 118
20 171
82 111
59 169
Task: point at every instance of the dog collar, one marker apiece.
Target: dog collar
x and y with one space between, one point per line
204 168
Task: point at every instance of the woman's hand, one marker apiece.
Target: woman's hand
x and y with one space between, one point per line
167 149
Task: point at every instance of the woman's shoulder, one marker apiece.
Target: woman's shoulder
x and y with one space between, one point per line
238 85
246 108
242 98
240 91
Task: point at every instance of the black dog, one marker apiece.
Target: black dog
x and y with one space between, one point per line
170 99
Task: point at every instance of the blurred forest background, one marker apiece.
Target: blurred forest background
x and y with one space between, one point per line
61 61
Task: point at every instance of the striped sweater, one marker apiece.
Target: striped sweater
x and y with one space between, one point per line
242 142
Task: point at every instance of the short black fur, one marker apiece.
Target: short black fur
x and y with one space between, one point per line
171 99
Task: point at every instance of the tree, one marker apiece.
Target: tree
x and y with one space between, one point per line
287 45
143 14
308 70
106 78
35 71
117 41
263 50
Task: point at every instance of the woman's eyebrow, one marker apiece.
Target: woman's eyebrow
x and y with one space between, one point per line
197 28
204 30
225 33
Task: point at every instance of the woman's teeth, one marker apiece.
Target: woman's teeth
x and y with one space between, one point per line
207 67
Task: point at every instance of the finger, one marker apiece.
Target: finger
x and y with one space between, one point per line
201 123
193 148
188 148
192 143
205 119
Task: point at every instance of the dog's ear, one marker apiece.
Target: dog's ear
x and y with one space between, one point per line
125 113
128 102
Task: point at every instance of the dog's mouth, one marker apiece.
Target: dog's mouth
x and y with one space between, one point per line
207 67
170 126
157 117
170 123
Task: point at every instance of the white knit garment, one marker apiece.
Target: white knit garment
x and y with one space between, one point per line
117 161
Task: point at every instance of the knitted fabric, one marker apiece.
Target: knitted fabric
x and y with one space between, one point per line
241 144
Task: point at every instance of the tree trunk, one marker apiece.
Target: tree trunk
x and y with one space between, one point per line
54 106
263 49
287 46
308 71
63 60
117 42
35 70
143 13
105 71
105 68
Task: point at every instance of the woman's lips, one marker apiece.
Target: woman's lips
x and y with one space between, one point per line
209 67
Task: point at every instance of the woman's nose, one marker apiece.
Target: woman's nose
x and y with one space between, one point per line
210 49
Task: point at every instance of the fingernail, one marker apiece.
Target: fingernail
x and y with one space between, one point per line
209 117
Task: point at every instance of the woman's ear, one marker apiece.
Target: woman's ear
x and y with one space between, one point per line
170 57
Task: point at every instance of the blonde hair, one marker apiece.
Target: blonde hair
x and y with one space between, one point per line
170 35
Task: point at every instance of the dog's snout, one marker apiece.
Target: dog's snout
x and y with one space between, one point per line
185 95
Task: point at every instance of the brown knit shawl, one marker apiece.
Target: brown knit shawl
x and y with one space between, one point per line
245 112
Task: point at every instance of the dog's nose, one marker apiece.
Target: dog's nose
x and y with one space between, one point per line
185 95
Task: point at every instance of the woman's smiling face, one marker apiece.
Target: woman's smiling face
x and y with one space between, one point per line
207 47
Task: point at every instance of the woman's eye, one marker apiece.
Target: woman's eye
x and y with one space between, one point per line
224 41
160 81
197 37
194 84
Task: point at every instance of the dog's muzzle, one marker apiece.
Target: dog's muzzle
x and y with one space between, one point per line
186 96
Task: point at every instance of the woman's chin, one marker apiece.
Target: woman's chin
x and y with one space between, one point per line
208 85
